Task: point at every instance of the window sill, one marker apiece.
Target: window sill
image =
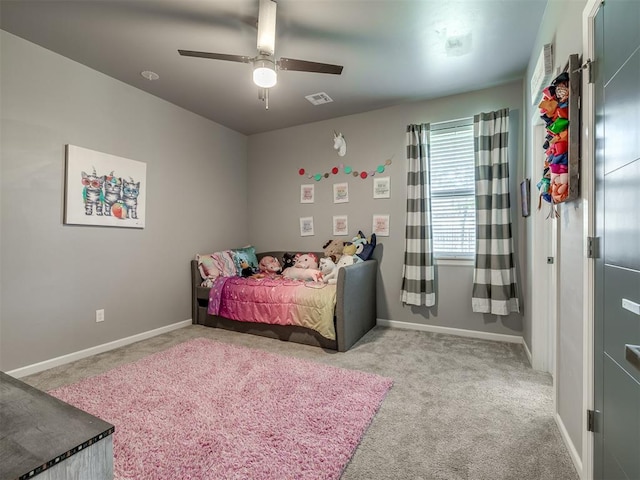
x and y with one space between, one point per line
455 262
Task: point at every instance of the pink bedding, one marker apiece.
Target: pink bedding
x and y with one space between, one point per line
276 301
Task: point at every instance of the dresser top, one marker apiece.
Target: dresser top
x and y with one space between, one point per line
38 430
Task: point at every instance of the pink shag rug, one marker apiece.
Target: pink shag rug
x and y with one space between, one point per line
209 410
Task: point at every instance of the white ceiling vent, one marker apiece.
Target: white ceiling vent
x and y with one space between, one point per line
319 98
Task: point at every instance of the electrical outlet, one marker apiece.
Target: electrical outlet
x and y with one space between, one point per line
100 315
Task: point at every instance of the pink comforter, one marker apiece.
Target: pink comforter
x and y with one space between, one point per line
276 301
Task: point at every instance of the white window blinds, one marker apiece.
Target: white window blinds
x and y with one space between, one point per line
453 215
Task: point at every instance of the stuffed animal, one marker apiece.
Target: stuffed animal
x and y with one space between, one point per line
327 264
368 248
344 261
268 267
307 260
295 273
349 249
363 247
288 259
304 268
333 248
246 271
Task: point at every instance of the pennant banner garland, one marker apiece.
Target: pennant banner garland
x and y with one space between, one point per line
347 170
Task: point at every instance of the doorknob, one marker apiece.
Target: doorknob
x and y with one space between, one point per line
632 354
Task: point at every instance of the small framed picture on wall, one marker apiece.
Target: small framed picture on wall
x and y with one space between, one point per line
306 226
340 192
381 187
307 193
381 225
340 225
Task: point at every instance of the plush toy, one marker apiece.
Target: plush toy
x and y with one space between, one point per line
304 268
307 260
344 261
246 271
296 273
288 259
349 249
333 248
327 264
363 246
268 267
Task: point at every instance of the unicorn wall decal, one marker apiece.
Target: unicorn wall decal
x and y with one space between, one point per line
339 143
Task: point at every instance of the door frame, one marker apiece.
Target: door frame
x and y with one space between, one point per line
587 178
544 278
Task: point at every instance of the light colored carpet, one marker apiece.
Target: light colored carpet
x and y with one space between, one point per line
460 408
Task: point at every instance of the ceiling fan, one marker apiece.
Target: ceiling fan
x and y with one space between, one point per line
265 66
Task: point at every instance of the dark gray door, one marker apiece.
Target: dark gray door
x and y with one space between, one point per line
617 283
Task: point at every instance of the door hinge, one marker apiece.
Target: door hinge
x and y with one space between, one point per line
591 418
593 247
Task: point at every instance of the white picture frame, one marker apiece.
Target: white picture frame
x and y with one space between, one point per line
306 226
307 193
340 225
381 187
340 192
380 225
104 190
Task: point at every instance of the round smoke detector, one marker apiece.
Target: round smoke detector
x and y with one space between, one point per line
149 75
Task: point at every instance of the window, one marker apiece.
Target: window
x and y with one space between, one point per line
453 213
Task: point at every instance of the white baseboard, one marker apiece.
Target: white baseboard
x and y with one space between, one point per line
573 453
72 357
450 331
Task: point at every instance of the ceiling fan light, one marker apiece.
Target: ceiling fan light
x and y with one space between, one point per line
267 27
264 74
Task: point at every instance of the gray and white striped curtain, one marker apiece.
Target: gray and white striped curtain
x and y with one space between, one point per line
418 272
494 277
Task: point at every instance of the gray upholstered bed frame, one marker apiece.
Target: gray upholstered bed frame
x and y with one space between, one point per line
355 311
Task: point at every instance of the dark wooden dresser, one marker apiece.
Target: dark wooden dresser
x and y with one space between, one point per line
41 435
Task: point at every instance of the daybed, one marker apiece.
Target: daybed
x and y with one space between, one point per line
355 309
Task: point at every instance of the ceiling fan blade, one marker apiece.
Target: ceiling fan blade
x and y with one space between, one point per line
305 66
216 56
267 27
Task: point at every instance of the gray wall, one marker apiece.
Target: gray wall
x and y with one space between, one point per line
562 26
373 137
54 276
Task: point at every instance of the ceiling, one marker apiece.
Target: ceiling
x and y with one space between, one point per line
393 51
